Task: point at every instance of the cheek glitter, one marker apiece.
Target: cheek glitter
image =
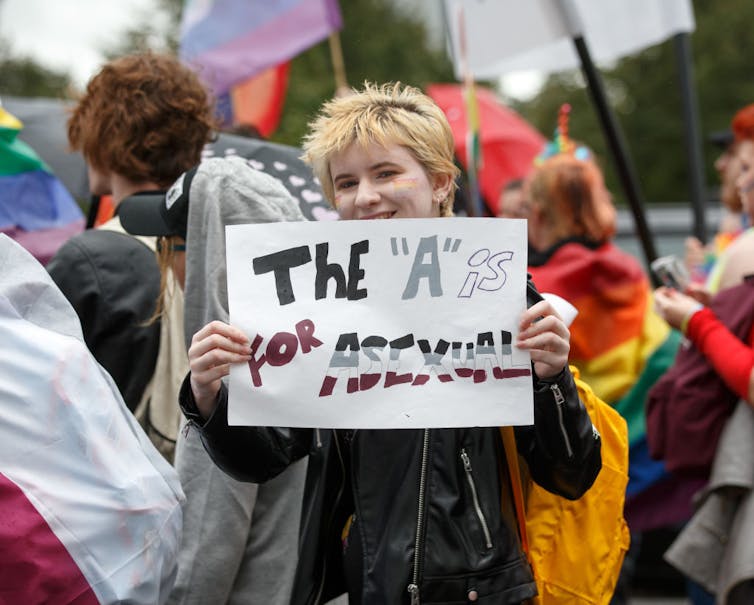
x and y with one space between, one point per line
404 186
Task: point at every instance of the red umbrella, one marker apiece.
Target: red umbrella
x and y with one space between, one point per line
509 143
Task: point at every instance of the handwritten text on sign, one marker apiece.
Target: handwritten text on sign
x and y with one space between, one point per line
380 324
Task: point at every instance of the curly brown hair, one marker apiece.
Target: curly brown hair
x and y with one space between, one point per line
145 117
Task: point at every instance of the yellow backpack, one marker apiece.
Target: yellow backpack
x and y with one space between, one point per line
576 548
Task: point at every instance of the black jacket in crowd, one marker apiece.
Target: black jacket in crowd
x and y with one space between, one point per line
434 513
112 281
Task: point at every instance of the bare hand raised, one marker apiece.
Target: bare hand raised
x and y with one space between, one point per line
213 349
543 332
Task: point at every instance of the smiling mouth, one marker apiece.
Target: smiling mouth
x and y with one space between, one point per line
375 217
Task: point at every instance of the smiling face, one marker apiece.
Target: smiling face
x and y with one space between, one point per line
376 182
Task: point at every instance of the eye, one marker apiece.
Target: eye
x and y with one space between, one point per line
345 184
385 174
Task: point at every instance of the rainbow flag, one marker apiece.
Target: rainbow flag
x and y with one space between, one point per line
257 102
229 41
621 347
35 207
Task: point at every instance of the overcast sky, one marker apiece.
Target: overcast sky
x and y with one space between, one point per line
72 35
68 35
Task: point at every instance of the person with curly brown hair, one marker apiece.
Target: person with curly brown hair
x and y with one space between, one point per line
142 123
143 120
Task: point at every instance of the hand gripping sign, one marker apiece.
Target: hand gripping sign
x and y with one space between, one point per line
405 323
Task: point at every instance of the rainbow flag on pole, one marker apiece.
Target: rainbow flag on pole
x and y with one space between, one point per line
229 41
36 209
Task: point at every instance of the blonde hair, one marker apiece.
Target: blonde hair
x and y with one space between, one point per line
572 196
387 114
165 258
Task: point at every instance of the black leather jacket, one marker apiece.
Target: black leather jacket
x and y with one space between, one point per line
435 515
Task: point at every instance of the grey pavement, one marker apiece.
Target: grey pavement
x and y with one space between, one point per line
658 601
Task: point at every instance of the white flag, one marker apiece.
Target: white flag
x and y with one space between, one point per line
504 36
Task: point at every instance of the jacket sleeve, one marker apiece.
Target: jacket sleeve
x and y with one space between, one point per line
562 448
246 453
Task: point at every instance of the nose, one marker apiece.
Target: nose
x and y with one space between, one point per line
367 194
721 162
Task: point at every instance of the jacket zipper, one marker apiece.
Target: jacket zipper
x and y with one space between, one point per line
332 514
477 507
560 402
413 588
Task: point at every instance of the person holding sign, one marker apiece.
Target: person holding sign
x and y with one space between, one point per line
413 515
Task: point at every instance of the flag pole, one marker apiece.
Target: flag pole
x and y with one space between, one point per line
473 144
339 66
611 129
694 153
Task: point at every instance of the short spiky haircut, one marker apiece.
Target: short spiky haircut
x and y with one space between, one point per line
143 116
387 114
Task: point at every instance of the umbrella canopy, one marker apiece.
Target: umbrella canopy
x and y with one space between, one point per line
509 143
45 131
283 163
35 208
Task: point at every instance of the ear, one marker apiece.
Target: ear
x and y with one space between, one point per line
441 186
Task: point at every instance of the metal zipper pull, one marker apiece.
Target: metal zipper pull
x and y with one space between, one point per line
559 402
475 497
413 590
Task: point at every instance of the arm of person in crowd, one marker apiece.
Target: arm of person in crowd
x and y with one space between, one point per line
732 359
694 254
562 448
246 453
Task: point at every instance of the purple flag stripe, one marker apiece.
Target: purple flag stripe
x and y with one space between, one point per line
44 243
277 41
36 200
229 19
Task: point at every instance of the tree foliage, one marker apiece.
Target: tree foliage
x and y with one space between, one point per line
24 77
645 95
380 44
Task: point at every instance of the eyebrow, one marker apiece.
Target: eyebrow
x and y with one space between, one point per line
372 168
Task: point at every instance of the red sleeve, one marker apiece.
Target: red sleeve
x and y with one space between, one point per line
732 359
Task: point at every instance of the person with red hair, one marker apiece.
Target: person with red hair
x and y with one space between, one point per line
618 342
571 223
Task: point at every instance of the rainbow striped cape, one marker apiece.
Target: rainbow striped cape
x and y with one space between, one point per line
620 345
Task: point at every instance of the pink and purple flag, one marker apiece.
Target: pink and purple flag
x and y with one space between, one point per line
36 209
229 41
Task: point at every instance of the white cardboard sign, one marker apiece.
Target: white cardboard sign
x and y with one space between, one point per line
403 323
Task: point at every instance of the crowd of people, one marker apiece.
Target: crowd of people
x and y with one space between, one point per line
311 515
